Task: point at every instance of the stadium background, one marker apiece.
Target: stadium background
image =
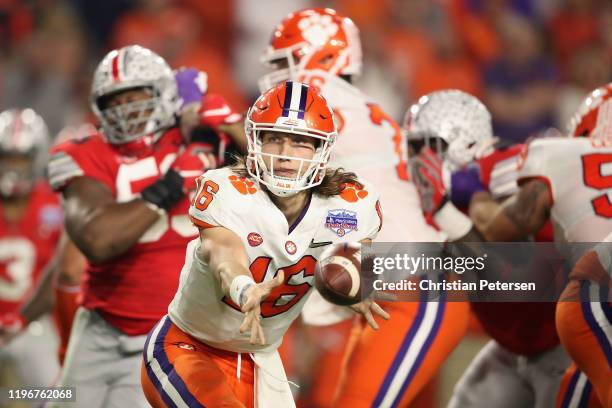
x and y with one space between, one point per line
530 61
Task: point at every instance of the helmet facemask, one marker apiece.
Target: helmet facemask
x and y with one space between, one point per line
17 174
138 120
285 64
24 139
296 63
130 121
310 172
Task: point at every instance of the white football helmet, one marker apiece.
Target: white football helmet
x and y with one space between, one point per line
134 67
454 117
22 132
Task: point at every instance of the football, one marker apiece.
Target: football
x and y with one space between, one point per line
338 276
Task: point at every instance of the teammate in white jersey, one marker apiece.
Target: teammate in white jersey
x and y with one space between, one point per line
263 226
567 180
321 47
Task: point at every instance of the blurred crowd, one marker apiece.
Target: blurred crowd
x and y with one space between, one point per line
530 61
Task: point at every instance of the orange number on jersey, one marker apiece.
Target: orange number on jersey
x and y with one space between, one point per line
285 296
379 117
206 193
593 178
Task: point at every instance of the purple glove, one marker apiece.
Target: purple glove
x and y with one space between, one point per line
464 183
192 85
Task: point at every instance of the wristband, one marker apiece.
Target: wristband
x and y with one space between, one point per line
160 211
238 286
452 221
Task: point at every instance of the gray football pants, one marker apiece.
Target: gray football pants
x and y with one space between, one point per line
103 364
501 379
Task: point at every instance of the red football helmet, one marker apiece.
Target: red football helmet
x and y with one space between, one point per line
312 39
296 108
594 116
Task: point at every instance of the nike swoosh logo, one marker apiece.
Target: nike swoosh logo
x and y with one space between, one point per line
314 244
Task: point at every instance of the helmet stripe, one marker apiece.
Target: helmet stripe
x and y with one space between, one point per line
115 67
287 101
17 125
304 93
295 100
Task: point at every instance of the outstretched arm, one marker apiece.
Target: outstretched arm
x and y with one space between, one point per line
223 251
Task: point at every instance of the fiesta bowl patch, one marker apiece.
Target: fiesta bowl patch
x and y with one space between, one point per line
341 221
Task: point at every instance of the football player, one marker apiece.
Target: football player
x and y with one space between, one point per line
564 179
523 363
199 112
249 274
126 195
30 226
322 48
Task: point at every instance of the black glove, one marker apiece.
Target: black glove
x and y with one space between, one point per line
165 192
205 134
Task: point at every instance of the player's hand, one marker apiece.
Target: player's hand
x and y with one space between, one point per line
193 162
368 308
464 184
252 307
11 324
192 85
426 172
215 111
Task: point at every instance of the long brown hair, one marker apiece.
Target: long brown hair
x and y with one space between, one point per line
333 183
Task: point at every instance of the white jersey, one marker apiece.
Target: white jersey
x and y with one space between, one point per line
199 307
371 144
579 175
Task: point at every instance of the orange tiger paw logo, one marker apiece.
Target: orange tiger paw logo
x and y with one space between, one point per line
353 193
243 185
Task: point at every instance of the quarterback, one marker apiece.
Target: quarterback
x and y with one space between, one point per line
322 47
247 277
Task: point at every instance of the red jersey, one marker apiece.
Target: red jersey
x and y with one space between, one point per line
525 328
27 245
133 290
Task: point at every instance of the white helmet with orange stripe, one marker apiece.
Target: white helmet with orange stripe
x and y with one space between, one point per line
24 139
128 68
